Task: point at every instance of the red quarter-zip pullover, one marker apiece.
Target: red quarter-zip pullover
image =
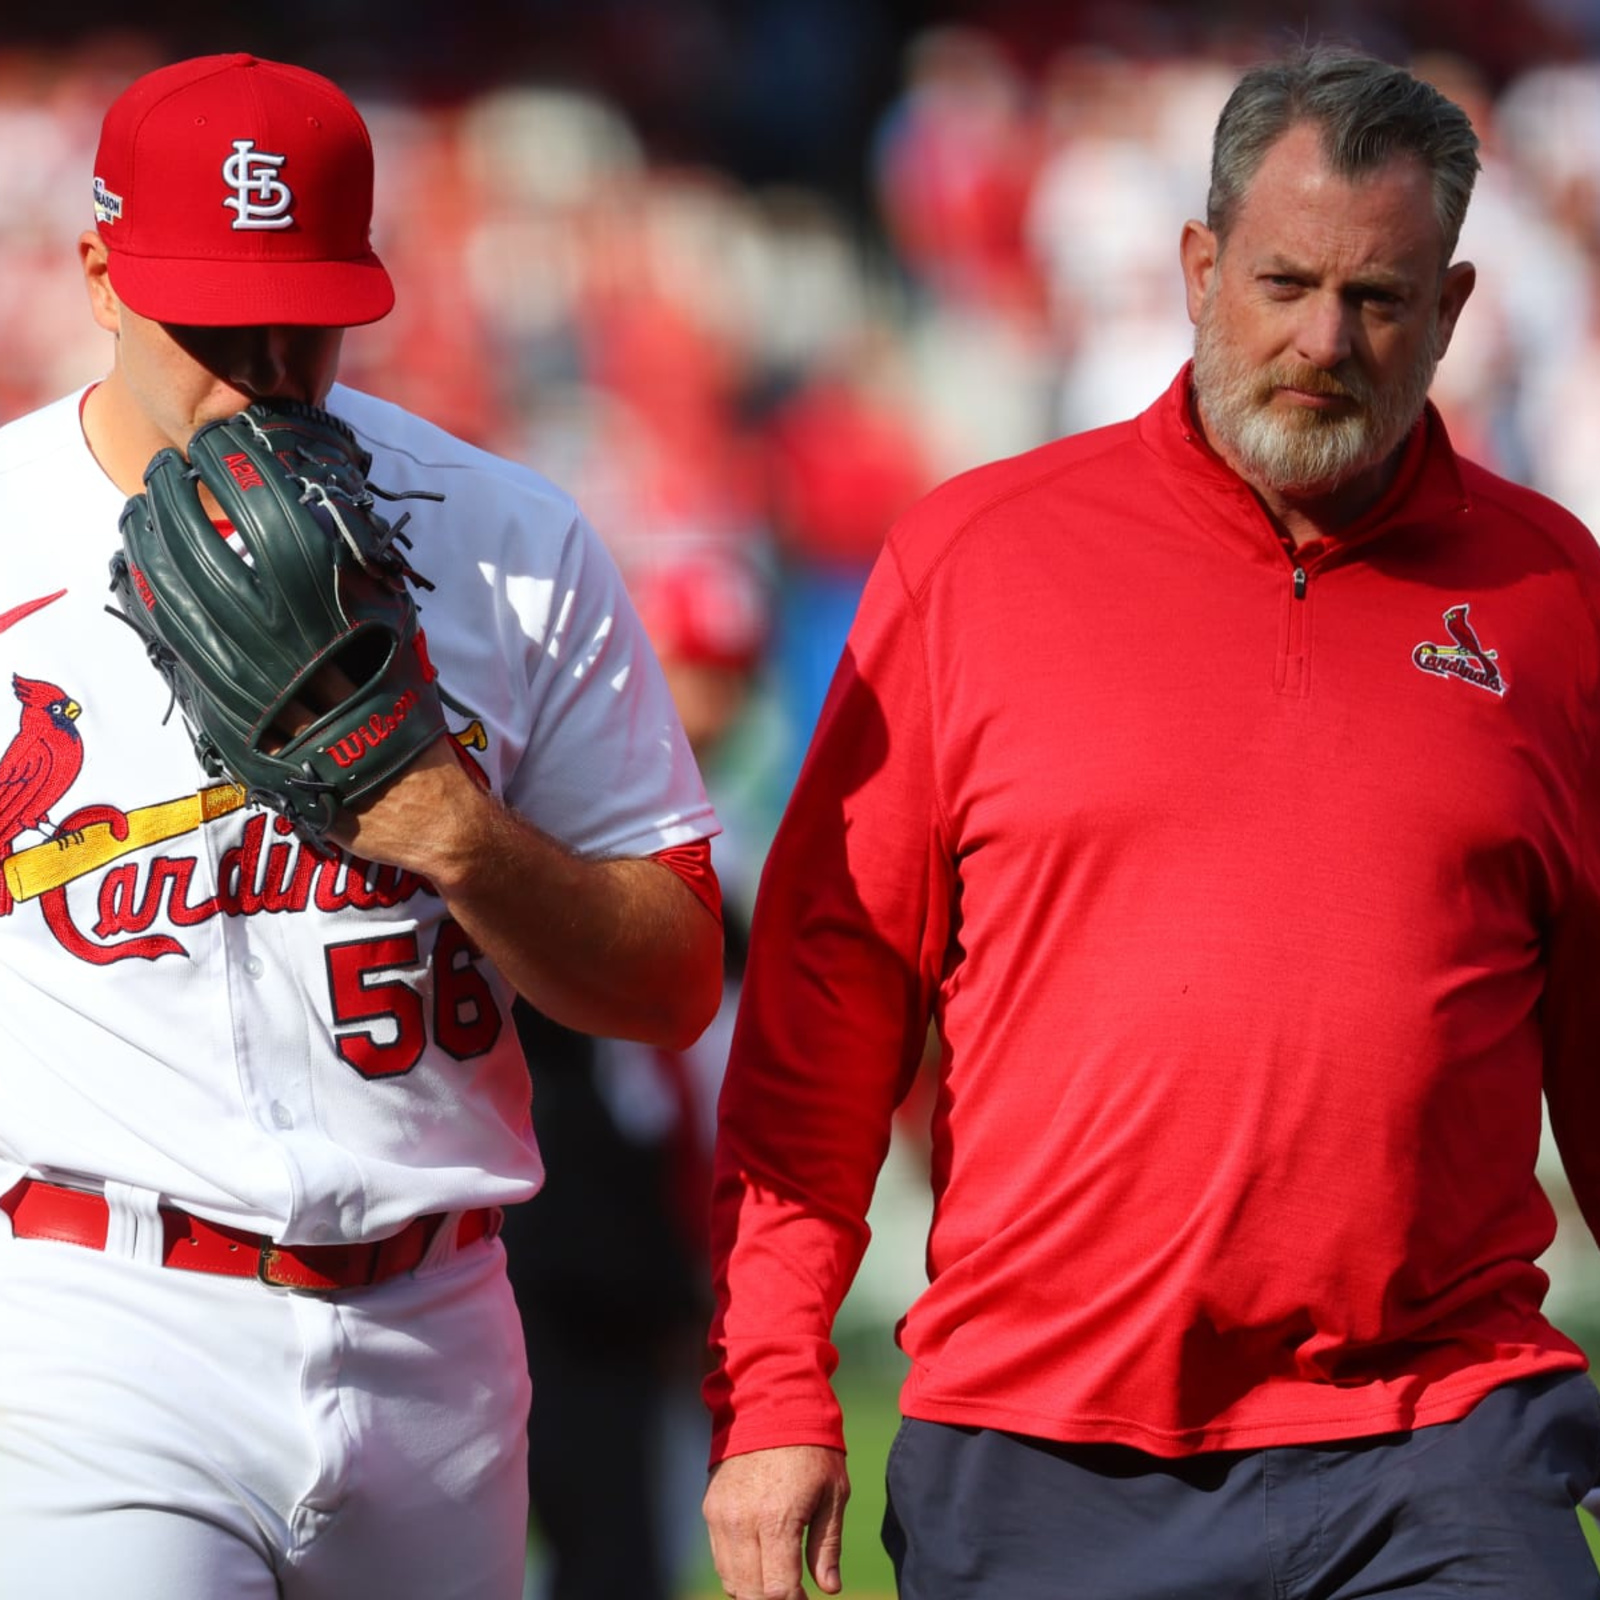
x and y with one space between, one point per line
1252 894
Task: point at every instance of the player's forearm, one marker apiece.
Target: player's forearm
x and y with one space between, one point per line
621 948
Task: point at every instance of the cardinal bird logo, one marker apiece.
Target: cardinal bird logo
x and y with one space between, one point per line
1465 659
39 765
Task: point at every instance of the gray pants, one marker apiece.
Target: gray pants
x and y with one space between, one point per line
1483 1507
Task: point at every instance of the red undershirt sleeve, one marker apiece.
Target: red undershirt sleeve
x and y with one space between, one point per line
692 862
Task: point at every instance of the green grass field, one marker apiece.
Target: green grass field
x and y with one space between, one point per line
867 1383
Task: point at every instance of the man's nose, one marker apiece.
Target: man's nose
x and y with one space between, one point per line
259 362
1324 334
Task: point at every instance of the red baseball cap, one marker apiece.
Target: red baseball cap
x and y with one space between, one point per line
708 607
236 192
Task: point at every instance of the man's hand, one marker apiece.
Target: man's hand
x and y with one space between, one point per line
761 1506
422 819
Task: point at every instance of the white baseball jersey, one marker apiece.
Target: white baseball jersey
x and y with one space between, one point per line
193 1000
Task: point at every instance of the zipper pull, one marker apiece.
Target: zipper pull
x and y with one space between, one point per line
1299 583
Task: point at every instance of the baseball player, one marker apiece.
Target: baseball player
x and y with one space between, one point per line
260 1098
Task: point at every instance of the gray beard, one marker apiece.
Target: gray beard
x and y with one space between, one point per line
1311 452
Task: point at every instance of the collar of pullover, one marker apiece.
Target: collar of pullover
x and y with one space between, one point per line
1427 491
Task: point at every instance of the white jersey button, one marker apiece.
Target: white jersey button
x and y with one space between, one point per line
254 966
282 1115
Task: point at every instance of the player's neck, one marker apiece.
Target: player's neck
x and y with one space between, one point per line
122 450
119 435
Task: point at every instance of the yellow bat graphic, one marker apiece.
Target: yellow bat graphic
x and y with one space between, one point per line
43 867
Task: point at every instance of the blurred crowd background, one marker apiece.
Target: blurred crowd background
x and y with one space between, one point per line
747 276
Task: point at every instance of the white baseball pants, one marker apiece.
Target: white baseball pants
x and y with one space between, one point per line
171 1435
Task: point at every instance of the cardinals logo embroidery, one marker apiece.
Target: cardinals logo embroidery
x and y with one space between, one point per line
1466 659
38 766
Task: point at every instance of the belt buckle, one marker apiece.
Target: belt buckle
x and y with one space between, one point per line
270 1269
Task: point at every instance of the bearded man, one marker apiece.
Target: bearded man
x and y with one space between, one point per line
1221 788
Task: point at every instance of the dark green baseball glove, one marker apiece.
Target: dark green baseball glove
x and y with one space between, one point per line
291 645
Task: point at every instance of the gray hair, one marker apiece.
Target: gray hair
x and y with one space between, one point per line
1368 112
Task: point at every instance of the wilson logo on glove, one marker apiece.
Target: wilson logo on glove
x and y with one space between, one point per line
355 744
142 588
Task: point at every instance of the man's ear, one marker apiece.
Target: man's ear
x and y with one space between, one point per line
1198 250
1458 284
104 306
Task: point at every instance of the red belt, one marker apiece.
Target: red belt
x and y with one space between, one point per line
81 1216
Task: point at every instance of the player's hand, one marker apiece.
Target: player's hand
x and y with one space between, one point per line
761 1509
405 816
421 819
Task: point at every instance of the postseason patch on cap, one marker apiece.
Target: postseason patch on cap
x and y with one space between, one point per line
107 206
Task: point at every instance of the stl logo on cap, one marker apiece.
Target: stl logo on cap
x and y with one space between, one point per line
261 199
